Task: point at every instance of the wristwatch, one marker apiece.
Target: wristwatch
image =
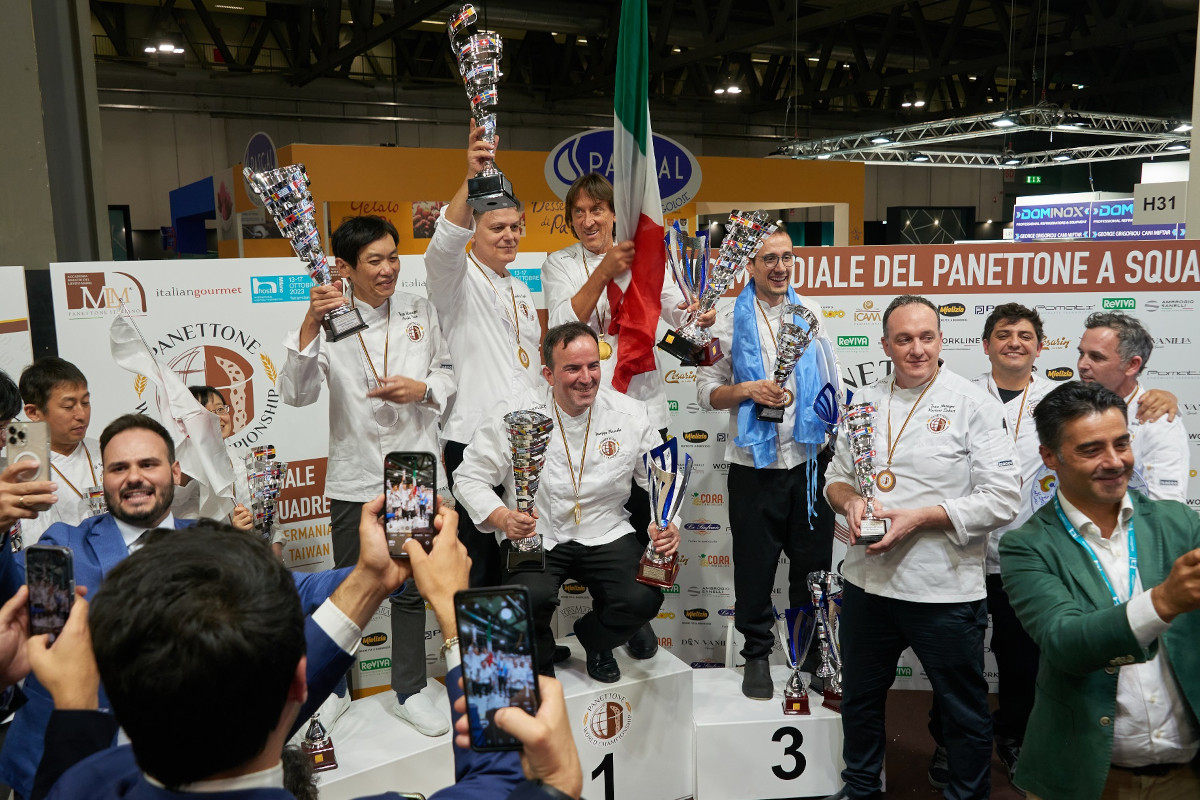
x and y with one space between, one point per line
428 394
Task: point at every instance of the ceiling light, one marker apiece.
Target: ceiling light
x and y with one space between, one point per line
1182 127
1062 157
813 60
971 78
718 91
230 8
919 104
906 104
178 51
1011 161
920 157
937 222
734 90
881 139
989 222
823 156
1004 121
1178 147
165 47
151 48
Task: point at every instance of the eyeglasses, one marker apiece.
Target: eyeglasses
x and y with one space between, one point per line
770 260
221 410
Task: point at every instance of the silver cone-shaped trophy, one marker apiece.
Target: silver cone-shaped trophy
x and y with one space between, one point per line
793 341
528 436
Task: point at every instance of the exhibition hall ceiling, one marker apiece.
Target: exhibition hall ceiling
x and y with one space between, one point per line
801 68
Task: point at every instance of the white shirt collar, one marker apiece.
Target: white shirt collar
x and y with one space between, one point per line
131 533
269 778
1090 529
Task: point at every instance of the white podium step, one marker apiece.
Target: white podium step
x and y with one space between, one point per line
376 752
634 736
750 749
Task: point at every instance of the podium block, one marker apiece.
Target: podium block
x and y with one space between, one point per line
634 736
377 753
750 748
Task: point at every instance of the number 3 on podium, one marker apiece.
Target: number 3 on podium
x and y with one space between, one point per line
793 750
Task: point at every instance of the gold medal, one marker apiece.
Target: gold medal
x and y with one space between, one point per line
605 350
885 480
521 354
578 514
788 397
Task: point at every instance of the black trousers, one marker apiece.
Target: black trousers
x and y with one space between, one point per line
482 547
948 638
768 514
620 605
1016 668
407 608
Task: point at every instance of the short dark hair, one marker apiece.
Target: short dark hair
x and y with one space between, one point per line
1132 337
356 233
595 186
908 300
1009 313
10 397
204 394
1070 401
479 215
42 377
127 422
199 625
563 335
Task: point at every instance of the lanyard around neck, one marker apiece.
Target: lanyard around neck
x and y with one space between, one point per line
1095 560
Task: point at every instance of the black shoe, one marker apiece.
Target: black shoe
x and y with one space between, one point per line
602 666
1009 751
939 769
643 644
756 680
561 653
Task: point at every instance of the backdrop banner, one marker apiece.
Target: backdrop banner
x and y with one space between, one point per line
224 326
16 349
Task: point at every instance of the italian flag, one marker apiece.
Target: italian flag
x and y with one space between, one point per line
638 205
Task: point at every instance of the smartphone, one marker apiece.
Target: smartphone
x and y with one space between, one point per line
495 637
50 575
29 441
409 500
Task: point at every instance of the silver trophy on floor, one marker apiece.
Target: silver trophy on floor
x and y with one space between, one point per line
687 258
792 342
798 637
478 57
285 194
668 479
265 477
859 422
826 590
528 436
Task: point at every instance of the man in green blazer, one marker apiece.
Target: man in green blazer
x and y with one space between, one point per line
1119 679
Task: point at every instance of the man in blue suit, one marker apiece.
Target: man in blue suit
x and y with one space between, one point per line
140 471
1107 583
219 608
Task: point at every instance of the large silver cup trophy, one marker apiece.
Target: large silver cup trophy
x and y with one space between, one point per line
826 590
668 479
286 196
859 421
793 341
687 258
744 235
528 435
265 477
798 639
478 57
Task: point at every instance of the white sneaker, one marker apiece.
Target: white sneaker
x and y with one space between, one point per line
420 713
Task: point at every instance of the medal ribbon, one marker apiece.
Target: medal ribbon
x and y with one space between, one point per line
1062 516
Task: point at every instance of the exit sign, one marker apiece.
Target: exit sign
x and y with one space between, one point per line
1033 178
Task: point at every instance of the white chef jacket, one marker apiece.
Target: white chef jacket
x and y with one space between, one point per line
83 472
1153 724
476 312
357 444
621 432
788 453
1023 430
1160 452
563 274
954 453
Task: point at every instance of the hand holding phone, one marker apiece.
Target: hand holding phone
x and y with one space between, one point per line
495 638
409 500
27 447
50 576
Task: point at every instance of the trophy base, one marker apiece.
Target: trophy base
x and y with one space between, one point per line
796 703
832 701
768 413
339 326
660 575
490 193
688 352
525 560
871 531
320 754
